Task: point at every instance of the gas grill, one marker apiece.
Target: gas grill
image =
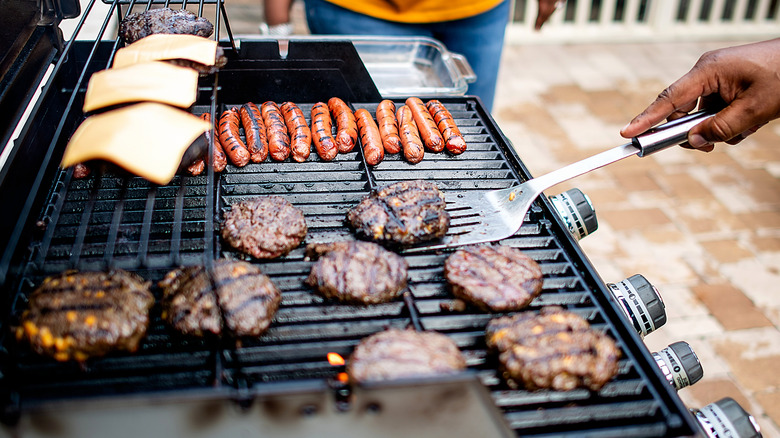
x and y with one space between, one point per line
114 220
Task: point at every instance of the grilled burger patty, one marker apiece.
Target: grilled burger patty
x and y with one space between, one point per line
403 213
78 315
493 277
357 272
394 354
165 21
265 227
555 349
245 300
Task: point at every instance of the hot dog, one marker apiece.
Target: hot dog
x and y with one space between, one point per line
388 126
369 137
428 131
346 129
278 140
453 140
410 138
220 159
81 171
197 167
300 134
229 138
322 132
254 131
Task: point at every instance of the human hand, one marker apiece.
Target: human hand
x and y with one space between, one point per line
546 9
742 83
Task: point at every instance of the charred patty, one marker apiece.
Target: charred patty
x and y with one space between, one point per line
357 272
265 227
245 300
493 277
403 213
554 349
395 354
164 21
78 315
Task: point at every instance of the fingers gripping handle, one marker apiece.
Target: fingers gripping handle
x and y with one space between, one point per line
669 134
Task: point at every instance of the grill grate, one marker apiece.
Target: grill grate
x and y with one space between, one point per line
120 221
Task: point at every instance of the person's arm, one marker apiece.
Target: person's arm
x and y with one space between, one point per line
741 83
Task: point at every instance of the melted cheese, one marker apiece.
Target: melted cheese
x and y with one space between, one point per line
147 139
148 81
159 47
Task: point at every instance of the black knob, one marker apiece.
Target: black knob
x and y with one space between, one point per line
679 364
726 418
641 303
577 212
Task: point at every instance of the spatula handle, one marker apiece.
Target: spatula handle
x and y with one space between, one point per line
669 134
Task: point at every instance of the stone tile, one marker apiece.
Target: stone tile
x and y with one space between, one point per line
705 217
683 186
637 219
731 307
753 355
770 402
726 251
635 182
708 391
765 243
769 220
758 279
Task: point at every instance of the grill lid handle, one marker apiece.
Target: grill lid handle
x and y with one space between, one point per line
668 134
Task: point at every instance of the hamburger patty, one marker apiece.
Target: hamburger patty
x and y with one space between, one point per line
265 227
357 272
394 354
403 213
493 277
78 315
555 349
165 21
245 300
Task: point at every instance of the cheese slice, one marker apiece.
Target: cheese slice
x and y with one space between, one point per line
159 47
148 139
148 81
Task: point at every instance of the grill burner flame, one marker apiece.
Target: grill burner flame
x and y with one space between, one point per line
335 359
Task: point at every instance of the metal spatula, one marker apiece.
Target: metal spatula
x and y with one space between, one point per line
479 217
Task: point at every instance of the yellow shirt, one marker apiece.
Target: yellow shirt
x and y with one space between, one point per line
418 11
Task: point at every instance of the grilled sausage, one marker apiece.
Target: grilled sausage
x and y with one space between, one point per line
453 140
254 131
220 159
369 137
322 132
229 137
346 127
428 131
197 167
388 126
278 140
410 139
299 131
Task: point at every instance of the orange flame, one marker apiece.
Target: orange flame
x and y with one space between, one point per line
335 359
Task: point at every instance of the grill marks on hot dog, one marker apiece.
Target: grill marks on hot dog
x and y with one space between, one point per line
298 130
369 137
254 131
322 132
453 140
428 131
346 134
410 138
278 140
388 127
229 137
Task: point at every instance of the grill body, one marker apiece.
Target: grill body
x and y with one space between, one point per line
115 220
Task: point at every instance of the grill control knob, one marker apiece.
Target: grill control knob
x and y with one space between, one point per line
679 364
641 303
577 212
726 418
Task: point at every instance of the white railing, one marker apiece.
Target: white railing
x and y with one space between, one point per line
605 21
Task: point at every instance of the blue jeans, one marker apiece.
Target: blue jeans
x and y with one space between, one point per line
480 38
